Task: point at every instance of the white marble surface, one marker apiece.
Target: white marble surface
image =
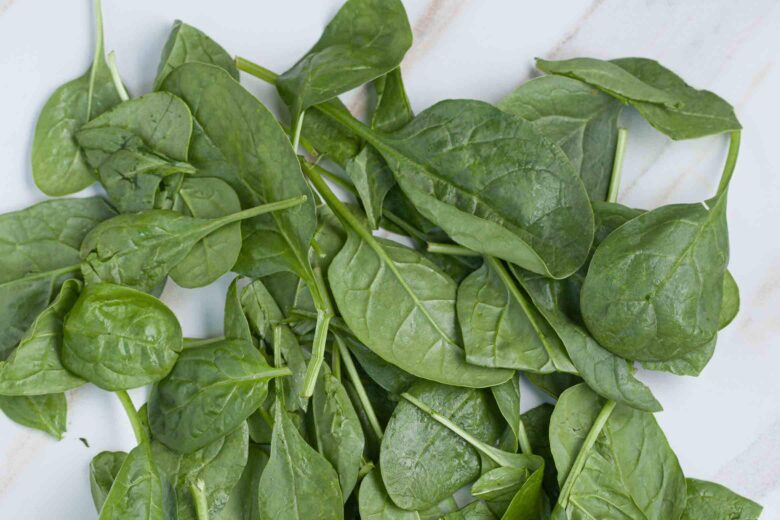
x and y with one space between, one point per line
724 425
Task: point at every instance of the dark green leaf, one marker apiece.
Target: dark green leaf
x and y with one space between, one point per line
375 504
474 511
103 470
42 412
710 501
537 427
138 491
729 307
385 374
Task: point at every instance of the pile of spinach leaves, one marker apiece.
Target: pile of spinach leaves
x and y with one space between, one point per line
361 377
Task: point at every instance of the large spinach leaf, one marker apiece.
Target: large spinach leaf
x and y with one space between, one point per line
103 469
120 338
578 118
138 491
58 167
42 412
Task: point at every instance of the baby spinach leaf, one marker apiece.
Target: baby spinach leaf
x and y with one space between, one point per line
336 429
608 374
236 325
393 109
507 397
729 307
294 469
187 44
242 504
218 466
120 338
422 461
210 392
663 98
215 254
420 336
654 286
103 470
711 501
34 368
578 118
324 138
39 250
140 249
366 39
138 490
689 363
375 504
385 374
58 167
492 183
499 486
138 145
612 461
42 412
238 140
500 326
473 511
530 501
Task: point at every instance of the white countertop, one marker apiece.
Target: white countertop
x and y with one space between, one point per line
724 425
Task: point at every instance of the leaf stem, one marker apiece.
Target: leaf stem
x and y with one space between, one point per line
120 88
198 490
256 70
297 131
617 165
317 351
450 249
132 415
582 456
731 161
277 346
98 55
358 384
334 178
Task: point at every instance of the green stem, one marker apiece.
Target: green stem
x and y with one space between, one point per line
297 131
277 346
334 178
198 490
256 70
731 161
582 456
335 363
359 388
132 415
617 165
522 438
97 56
120 88
450 249
259 210
317 351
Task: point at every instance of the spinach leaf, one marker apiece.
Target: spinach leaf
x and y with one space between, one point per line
501 328
138 145
120 338
293 470
507 397
242 504
555 383
215 254
491 182
103 470
186 44
39 250
218 466
58 167
578 118
499 486
236 324
711 501
654 286
689 363
42 412
375 504
537 426
420 336
139 249
34 368
612 460
336 429
529 502
366 39
417 472
474 511
661 97
729 307
326 139
138 490
210 392
386 375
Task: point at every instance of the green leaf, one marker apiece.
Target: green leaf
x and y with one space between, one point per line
138 491
39 250
385 374
103 470
529 502
119 338
578 118
500 326
210 392
218 465
186 44
710 501
729 307
238 140
34 368
366 39
417 472
140 249
292 472
537 427
337 430
507 397
236 324
42 412
215 254
58 166
499 486
375 504
474 511
689 363
618 467
136 146
420 336
327 138
654 286
555 383
242 504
